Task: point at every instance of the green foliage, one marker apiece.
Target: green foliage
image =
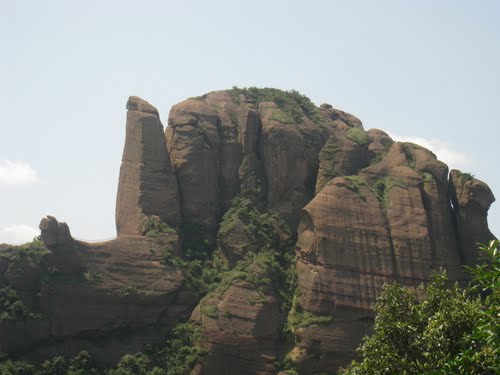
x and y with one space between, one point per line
483 354
31 252
202 275
234 119
262 228
200 98
282 117
264 270
383 186
330 149
130 291
292 103
209 310
450 331
194 242
357 135
379 157
178 354
82 364
407 149
427 178
154 226
12 308
181 350
298 318
10 367
355 184
464 177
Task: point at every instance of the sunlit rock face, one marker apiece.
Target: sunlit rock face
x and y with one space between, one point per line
360 210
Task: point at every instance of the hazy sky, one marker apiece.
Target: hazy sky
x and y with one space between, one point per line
424 70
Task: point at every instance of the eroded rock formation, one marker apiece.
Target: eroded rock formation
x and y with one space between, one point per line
147 185
277 187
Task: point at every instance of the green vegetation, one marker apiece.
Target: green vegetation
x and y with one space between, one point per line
281 116
292 103
357 135
178 354
330 148
383 186
201 97
12 308
154 226
409 154
29 253
194 242
201 275
464 177
427 178
180 351
449 331
377 159
298 318
262 228
209 310
131 291
355 184
234 119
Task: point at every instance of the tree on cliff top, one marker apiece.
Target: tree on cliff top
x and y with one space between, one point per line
450 331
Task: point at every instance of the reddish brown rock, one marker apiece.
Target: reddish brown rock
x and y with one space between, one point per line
54 234
340 156
117 292
368 211
220 149
241 325
393 222
380 143
147 185
471 199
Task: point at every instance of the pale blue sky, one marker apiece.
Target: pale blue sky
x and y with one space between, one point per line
418 69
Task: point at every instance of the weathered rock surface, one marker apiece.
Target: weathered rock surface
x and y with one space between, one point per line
116 292
241 327
221 147
366 211
471 199
393 222
54 233
147 185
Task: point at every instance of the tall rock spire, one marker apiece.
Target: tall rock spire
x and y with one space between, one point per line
147 185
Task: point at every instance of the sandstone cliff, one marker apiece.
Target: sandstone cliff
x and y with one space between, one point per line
269 221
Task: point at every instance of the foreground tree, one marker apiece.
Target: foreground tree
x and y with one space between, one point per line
436 329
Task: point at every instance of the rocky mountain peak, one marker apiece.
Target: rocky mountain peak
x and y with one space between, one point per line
269 223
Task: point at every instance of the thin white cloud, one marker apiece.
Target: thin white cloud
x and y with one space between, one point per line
454 159
17 173
18 234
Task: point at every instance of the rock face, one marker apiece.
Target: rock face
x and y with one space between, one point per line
223 145
55 234
117 292
254 173
471 199
392 222
147 185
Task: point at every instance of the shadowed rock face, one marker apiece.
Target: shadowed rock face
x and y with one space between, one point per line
115 292
365 210
146 185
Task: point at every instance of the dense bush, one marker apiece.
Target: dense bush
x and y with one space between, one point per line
449 331
12 308
154 226
292 102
